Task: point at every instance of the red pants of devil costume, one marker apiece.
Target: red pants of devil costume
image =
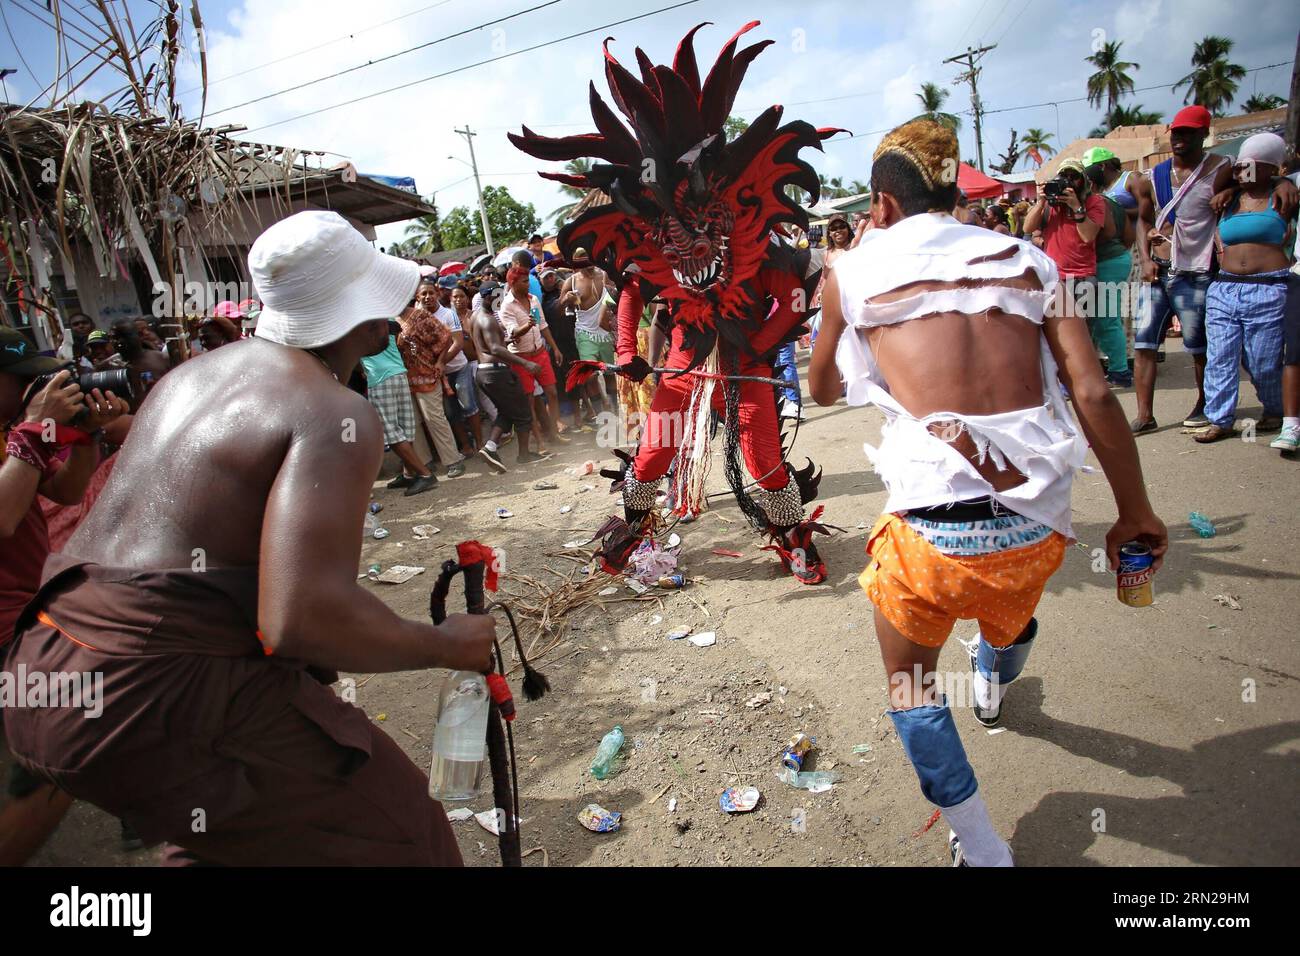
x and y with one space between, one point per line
760 434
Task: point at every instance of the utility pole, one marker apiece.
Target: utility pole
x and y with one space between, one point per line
1292 130
469 135
968 60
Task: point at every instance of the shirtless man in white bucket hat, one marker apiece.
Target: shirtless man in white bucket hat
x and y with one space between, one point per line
214 585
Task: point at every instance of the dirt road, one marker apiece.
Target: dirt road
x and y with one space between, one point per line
1156 736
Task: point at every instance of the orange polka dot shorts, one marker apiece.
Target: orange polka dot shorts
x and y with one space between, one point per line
924 592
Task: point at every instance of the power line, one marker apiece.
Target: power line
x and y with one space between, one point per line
971 22
461 69
313 49
384 59
1013 21
1081 99
993 22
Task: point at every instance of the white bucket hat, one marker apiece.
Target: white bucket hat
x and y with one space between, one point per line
318 279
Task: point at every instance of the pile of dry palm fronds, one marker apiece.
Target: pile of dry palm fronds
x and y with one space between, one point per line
125 177
545 611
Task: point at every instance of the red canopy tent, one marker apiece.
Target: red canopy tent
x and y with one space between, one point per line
975 184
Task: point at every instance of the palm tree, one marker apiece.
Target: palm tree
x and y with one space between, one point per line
1111 81
1213 80
1127 116
422 236
932 97
833 188
574 167
1037 140
858 188
1260 102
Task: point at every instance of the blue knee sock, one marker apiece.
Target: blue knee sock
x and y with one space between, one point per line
1007 662
929 738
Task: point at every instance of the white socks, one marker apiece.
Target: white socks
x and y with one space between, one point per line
491 446
988 695
979 841
1290 422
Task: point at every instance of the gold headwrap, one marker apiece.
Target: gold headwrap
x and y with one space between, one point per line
928 146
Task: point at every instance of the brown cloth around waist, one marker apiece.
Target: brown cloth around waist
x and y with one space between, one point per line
189 697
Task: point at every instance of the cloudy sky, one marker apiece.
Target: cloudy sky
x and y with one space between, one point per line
855 64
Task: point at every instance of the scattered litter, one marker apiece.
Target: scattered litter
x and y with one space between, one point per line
758 700
578 471
606 762
375 507
706 639
505 513
674 540
576 543
460 814
606 592
997 730
796 750
372 572
650 562
862 526
862 748
657 619
399 574
565 509
672 804
422 531
637 586
689 519
672 582
1228 600
381 533
815 781
586 488
677 633
724 553
381 717
934 818
599 820
491 820
739 800
1202 525
544 485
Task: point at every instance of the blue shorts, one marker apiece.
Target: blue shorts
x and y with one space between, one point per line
1173 293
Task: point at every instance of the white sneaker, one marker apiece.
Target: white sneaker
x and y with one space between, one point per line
1288 440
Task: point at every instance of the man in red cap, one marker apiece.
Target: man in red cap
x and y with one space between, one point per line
1177 215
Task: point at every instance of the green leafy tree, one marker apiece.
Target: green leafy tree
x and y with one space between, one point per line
511 221
1133 115
932 97
1111 81
1261 102
576 167
1214 79
858 188
422 236
734 126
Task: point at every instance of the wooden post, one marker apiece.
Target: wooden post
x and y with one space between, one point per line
1293 108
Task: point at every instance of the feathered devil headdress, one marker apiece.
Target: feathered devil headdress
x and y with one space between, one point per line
696 216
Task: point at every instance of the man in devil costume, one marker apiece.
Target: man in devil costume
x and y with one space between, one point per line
699 222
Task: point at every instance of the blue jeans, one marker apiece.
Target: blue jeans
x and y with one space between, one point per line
1243 317
1173 293
789 372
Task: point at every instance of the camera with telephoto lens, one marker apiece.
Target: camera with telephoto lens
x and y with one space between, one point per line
115 380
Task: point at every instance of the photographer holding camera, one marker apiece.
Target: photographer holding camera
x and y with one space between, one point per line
1071 216
31 465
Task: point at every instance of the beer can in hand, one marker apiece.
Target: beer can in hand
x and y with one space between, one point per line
1134 575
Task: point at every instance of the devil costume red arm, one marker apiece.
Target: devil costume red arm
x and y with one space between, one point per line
629 318
791 308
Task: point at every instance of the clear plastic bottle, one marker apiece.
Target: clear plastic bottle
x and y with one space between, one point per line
460 738
610 745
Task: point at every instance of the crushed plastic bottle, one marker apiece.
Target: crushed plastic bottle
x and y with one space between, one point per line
814 781
604 764
1202 525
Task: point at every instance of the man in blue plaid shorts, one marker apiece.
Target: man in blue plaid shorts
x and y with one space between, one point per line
389 393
